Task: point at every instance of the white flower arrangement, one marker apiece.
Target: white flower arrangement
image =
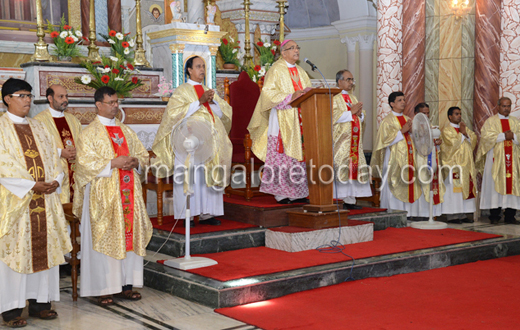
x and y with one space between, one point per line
119 36
79 34
114 59
86 79
126 51
64 34
112 42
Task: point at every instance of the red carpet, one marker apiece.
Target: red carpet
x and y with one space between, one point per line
169 221
261 260
479 295
270 202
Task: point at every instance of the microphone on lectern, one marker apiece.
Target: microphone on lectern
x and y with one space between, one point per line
313 67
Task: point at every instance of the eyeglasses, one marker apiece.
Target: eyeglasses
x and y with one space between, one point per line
23 96
293 48
352 80
112 103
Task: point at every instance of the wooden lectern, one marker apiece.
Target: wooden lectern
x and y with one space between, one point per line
317 136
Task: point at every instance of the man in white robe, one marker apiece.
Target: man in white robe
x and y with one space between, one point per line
31 216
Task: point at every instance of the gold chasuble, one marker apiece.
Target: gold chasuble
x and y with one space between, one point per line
33 229
277 86
117 210
401 159
348 141
175 112
506 169
65 132
455 151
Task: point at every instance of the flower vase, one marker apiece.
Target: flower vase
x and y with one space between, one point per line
165 98
229 66
64 59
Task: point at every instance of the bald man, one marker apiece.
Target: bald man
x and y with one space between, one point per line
65 129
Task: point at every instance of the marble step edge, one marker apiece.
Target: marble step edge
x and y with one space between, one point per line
215 294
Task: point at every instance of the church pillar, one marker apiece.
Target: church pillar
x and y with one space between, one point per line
487 61
114 15
510 54
351 43
389 53
414 34
365 84
177 64
85 13
213 68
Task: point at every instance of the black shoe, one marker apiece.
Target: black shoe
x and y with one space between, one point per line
466 220
300 200
211 222
457 221
351 207
512 222
284 201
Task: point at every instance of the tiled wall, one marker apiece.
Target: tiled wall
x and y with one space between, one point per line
450 44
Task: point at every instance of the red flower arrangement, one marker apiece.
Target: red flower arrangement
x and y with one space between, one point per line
105 79
125 44
55 34
112 33
261 44
225 41
258 67
67 27
115 71
134 80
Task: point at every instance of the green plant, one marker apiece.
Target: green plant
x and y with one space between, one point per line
229 51
66 39
113 72
267 51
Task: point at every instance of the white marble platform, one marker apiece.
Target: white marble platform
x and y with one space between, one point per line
309 240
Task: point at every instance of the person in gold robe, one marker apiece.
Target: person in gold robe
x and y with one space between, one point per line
349 159
276 129
457 155
393 160
195 100
33 229
498 161
429 183
65 129
115 227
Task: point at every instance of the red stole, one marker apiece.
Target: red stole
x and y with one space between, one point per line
354 142
455 176
126 183
200 90
435 181
297 84
68 141
409 145
508 148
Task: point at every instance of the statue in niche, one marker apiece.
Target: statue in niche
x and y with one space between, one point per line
176 9
211 10
156 14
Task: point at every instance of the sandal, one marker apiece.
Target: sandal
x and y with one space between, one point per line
129 295
105 301
45 314
17 322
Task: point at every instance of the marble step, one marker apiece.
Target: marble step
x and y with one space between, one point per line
249 237
218 294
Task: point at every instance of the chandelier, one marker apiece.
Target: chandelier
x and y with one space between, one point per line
460 7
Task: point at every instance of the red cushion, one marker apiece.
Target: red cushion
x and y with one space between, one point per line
243 95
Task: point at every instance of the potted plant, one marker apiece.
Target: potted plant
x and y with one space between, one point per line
66 39
267 52
113 72
229 51
121 45
165 89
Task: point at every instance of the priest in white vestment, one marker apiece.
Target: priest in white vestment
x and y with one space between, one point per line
498 161
115 228
195 100
33 228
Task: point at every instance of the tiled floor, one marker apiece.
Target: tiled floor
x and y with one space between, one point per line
158 310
